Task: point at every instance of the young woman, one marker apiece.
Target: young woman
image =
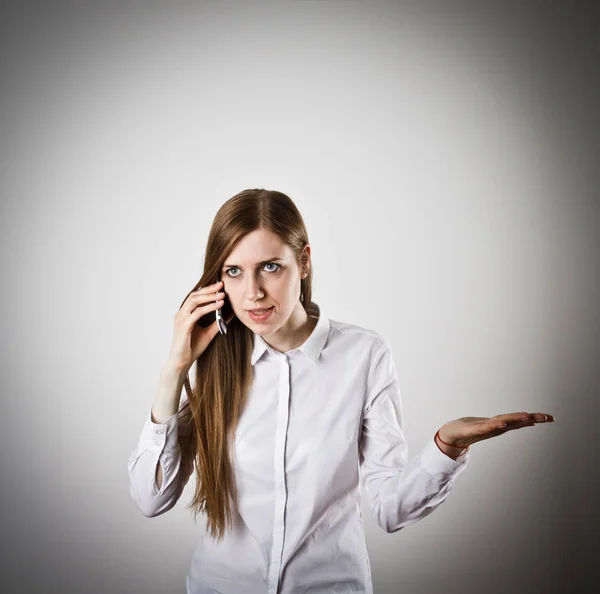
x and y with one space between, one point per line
289 412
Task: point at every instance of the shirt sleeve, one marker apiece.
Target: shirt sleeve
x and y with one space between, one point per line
170 444
400 492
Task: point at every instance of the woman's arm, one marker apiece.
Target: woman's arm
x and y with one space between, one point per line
400 491
162 462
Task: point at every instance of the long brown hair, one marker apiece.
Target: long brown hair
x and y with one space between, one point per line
224 371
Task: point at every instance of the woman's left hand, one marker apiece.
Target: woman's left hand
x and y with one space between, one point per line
467 430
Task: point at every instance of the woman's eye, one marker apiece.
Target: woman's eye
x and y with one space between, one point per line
227 272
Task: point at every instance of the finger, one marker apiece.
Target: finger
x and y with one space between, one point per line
210 288
204 310
517 425
201 297
512 417
543 417
494 432
536 417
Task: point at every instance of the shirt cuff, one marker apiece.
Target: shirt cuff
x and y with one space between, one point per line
157 435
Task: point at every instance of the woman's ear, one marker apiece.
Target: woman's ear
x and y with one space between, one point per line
305 261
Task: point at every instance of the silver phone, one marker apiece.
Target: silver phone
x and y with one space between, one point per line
220 321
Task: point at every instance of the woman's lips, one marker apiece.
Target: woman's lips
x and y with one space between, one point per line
260 317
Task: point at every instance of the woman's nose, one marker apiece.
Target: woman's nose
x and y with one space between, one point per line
253 291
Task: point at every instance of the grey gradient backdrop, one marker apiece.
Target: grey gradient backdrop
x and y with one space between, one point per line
444 156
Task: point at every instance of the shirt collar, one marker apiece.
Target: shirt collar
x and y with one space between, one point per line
311 347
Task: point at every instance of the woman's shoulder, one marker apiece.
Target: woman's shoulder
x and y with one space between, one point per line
355 332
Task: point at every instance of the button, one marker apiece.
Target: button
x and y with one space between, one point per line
157 442
159 431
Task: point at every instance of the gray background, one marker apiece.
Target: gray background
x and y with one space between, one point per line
445 158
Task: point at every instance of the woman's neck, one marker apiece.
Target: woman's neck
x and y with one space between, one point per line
294 333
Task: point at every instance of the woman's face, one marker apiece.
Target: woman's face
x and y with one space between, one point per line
262 272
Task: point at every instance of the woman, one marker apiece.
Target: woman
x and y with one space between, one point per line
289 412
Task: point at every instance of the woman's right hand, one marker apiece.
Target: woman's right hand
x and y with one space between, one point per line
190 340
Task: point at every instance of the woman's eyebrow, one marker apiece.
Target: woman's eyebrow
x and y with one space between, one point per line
259 263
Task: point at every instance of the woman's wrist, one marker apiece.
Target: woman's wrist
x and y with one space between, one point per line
451 451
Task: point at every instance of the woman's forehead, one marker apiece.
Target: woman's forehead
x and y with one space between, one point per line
258 247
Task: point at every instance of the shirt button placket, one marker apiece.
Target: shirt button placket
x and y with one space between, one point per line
279 467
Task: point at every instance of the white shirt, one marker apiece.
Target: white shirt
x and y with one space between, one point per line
319 420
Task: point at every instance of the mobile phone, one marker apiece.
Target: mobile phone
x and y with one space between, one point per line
219 315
